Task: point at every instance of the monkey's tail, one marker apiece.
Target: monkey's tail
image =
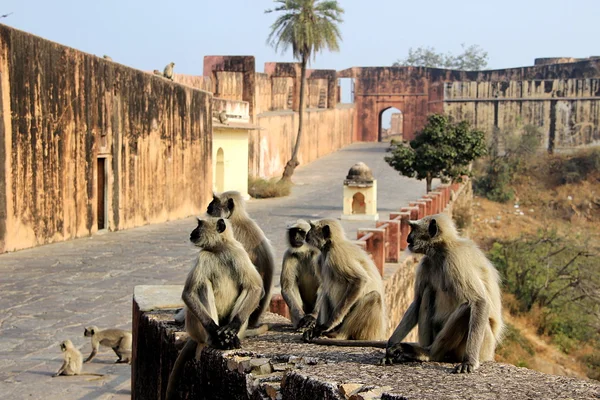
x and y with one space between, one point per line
186 354
259 330
380 344
91 374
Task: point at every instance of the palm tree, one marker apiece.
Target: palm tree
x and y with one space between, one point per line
308 26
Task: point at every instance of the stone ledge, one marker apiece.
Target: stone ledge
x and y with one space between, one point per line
278 365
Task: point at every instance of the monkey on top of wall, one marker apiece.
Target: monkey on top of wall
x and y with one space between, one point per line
351 301
231 205
220 292
457 303
168 71
300 277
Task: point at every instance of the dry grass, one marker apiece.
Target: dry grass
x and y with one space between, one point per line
260 188
562 192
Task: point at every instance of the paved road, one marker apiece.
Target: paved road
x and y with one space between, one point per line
51 292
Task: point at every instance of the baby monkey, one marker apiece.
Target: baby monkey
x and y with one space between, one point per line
72 361
117 339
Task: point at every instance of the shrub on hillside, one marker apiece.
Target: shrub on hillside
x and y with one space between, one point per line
557 274
573 168
260 188
509 153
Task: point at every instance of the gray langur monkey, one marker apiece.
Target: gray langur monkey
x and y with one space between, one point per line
72 361
231 205
351 300
157 72
220 292
117 339
300 276
107 57
457 303
223 117
168 71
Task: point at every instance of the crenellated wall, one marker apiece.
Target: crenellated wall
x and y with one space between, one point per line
274 104
88 144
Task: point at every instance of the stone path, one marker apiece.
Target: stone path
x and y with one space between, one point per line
49 293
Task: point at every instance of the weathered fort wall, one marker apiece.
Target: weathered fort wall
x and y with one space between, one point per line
324 131
89 144
560 96
86 143
567 110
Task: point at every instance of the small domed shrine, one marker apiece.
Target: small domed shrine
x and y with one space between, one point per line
360 194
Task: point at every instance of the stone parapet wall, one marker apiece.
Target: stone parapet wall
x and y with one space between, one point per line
278 365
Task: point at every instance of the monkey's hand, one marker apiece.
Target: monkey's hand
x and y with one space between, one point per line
313 333
217 338
228 335
307 322
466 367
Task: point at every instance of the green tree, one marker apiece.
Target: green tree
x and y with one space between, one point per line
441 150
308 26
472 58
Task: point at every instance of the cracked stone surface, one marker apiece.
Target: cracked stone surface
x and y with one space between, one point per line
51 292
318 372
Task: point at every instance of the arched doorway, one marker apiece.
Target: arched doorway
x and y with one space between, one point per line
220 171
358 204
391 122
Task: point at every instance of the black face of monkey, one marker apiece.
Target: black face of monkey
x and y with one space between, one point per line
205 231
421 234
217 208
195 235
296 237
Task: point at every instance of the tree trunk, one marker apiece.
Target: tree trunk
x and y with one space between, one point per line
293 162
429 180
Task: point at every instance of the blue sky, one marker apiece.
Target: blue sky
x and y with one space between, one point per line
149 34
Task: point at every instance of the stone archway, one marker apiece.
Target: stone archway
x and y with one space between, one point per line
389 119
376 89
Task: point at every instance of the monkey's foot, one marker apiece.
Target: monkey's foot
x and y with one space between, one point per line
466 367
313 333
403 353
307 322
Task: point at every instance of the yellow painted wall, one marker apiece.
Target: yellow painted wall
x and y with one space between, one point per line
234 146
